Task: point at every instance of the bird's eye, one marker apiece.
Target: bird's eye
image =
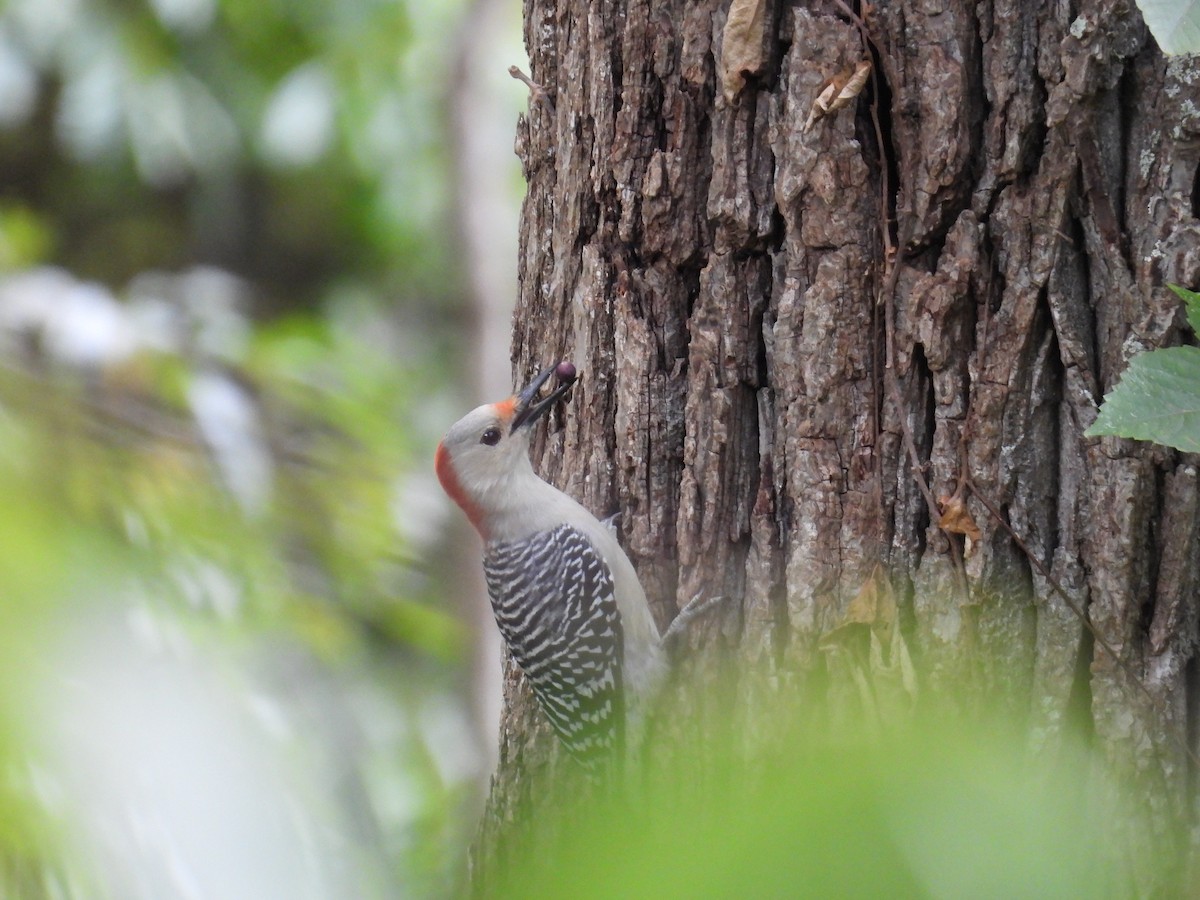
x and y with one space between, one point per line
491 437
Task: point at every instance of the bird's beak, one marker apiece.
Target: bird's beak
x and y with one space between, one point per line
526 411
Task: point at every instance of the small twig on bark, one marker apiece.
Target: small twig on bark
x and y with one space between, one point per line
536 91
891 267
887 295
856 20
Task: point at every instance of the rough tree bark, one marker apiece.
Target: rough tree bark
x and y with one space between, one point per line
759 342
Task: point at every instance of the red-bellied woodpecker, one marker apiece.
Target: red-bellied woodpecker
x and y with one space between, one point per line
566 597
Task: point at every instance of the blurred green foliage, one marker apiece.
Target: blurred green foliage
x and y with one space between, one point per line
114 504
934 809
231 476
296 144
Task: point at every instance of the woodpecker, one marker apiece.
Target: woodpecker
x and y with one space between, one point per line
566 597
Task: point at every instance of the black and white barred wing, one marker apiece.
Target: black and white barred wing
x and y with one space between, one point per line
552 594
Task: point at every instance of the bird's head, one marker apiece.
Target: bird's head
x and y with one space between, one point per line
488 448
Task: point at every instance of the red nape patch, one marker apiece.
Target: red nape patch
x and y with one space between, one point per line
449 479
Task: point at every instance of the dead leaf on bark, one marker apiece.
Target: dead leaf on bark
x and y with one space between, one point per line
874 604
957 519
869 648
838 91
742 45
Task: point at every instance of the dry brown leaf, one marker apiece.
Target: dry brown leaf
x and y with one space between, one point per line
838 91
957 519
874 602
874 606
742 45
893 673
868 652
820 106
853 86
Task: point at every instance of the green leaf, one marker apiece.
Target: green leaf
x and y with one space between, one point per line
1191 301
1174 24
1157 399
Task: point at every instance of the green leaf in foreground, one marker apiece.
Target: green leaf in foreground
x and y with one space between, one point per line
1191 301
1174 24
1157 399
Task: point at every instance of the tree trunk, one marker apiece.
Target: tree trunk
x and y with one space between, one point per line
787 333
